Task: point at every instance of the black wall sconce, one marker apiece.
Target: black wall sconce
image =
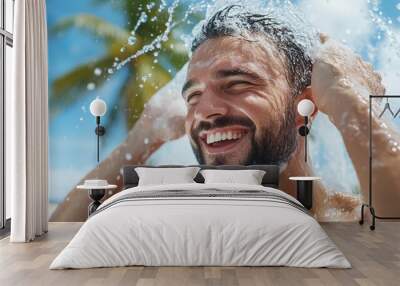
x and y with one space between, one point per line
98 108
305 108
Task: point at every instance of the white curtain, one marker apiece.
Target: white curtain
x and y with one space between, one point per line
27 121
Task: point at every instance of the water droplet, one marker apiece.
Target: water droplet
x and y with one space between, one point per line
131 40
81 119
122 49
91 86
150 5
110 71
143 17
146 141
141 85
128 156
97 71
116 59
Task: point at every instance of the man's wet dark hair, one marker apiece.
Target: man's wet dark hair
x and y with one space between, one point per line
226 22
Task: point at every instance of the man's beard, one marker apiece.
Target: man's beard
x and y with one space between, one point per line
271 148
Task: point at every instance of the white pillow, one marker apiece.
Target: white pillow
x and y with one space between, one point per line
248 177
163 176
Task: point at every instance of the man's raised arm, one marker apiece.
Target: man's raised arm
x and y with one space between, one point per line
341 84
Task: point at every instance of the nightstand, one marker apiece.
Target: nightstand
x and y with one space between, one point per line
96 193
305 190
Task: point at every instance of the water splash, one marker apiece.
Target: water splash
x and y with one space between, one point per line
156 44
285 10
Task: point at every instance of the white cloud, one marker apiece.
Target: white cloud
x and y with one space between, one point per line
341 19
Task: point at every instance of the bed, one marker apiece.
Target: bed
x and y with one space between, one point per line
198 224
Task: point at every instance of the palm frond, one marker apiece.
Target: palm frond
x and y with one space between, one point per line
69 87
135 92
94 25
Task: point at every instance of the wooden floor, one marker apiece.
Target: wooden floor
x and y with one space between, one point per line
375 257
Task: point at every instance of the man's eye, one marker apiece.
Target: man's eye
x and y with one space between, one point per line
193 98
238 84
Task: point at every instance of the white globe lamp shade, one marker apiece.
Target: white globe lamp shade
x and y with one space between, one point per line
98 107
305 107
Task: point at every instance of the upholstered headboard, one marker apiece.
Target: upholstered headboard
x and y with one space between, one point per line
271 177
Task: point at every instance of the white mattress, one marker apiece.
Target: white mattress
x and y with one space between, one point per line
200 231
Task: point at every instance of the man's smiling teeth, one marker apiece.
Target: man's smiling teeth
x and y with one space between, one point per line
221 136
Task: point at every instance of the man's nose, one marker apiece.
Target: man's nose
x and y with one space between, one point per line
210 105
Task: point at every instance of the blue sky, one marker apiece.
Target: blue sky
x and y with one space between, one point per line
72 138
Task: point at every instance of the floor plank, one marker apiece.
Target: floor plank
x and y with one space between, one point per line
375 257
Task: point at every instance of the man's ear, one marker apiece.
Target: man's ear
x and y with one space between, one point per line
305 94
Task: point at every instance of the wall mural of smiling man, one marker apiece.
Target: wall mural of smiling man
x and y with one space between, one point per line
244 79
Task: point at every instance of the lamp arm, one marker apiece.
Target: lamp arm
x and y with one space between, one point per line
305 137
98 138
100 131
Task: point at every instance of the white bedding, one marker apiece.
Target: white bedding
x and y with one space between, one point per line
219 231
